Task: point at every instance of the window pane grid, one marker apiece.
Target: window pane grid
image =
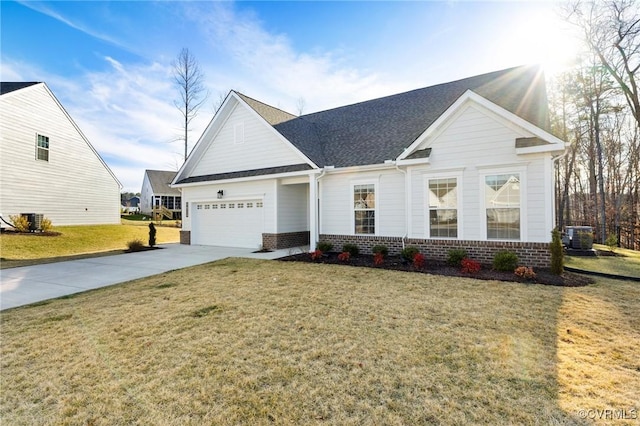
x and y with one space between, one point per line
364 203
502 202
443 208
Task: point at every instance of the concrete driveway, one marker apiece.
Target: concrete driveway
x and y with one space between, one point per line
30 284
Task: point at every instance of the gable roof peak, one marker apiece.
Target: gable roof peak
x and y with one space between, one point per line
272 115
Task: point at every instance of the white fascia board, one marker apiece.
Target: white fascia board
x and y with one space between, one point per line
247 179
470 96
413 161
552 148
356 169
291 146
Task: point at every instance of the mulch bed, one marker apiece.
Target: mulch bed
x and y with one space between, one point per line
396 263
34 234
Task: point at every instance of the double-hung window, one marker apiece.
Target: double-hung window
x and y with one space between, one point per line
364 208
443 208
42 148
502 204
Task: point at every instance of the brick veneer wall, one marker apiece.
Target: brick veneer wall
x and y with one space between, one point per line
285 240
185 237
529 254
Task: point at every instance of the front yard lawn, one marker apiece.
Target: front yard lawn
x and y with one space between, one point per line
244 341
24 249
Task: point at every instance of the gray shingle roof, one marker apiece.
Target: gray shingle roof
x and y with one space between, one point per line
10 86
373 131
160 180
247 173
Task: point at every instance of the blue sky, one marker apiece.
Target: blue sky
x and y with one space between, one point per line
109 63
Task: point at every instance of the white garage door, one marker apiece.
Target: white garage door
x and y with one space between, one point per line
230 224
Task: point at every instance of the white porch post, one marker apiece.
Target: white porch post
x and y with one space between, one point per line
313 212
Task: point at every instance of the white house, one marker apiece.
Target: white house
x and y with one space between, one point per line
157 194
463 164
47 164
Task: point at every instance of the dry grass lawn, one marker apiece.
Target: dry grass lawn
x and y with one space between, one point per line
261 342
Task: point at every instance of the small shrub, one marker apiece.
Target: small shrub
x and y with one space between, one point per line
315 255
586 240
345 256
352 249
135 245
378 259
20 222
525 272
324 246
456 256
612 242
382 249
470 266
46 225
418 261
505 261
557 253
408 253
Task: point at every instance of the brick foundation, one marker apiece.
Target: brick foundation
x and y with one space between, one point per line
535 255
185 237
285 240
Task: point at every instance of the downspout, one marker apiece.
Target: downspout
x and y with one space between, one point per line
406 203
316 213
554 160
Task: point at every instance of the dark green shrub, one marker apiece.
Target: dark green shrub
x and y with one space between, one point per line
505 261
557 253
382 249
408 253
455 257
324 246
352 249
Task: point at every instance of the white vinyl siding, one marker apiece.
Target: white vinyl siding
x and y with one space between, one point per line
293 208
74 187
260 147
473 145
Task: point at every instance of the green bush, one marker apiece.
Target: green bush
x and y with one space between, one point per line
352 249
505 261
382 249
455 257
612 242
557 253
135 245
408 253
324 246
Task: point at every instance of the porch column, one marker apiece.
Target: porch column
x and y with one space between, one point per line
313 212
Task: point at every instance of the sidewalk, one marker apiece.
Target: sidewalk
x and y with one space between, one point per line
30 284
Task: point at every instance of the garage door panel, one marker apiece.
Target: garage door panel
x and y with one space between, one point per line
232 224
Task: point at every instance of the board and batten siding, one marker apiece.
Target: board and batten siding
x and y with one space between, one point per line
473 144
244 143
336 202
74 187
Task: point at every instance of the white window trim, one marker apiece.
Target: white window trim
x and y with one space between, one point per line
352 210
459 183
38 147
483 173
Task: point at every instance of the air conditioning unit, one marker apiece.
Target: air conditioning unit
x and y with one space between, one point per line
35 221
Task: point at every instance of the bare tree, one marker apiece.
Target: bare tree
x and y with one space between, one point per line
300 104
188 78
611 29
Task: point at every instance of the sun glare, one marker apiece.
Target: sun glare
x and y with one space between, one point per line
543 38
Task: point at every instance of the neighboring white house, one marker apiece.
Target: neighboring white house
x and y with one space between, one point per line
462 164
157 194
47 165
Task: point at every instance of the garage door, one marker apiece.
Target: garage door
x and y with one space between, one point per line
231 224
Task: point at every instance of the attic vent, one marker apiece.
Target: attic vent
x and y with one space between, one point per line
238 133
